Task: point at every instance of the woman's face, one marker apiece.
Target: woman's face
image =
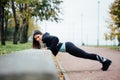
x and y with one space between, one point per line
38 37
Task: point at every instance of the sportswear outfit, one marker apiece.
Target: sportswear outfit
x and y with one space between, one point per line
52 43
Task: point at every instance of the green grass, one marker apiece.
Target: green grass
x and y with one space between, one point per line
10 47
110 47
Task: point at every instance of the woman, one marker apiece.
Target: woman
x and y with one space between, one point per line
53 44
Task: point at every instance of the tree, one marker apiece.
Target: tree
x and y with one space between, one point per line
115 16
115 12
1 23
27 9
15 37
7 16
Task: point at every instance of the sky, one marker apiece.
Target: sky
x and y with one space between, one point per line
82 19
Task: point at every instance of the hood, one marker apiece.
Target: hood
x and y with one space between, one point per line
45 35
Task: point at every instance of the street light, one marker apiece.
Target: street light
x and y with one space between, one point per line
81 29
98 24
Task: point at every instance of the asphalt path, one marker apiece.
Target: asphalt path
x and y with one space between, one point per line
85 69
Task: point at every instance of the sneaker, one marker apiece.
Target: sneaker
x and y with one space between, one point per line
106 64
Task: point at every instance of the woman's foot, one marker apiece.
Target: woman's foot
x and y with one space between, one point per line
106 64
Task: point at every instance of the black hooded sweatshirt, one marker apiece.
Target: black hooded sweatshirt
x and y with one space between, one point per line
52 43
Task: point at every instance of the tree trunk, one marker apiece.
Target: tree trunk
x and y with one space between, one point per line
2 23
118 41
24 32
24 28
6 26
15 34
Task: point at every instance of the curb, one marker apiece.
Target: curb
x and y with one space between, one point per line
63 71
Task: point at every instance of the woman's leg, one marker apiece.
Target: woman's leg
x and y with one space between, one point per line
75 51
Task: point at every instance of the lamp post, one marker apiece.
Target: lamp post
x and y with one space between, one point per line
98 24
81 29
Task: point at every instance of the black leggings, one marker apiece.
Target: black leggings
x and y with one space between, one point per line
77 52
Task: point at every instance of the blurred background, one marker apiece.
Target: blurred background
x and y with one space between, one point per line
82 22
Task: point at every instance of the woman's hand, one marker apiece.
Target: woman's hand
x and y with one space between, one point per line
45 48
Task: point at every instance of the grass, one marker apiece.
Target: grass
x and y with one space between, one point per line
10 47
110 47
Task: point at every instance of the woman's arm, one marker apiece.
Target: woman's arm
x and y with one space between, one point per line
54 42
51 43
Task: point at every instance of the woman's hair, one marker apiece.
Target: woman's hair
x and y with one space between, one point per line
36 44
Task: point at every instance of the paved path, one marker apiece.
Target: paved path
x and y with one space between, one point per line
84 69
